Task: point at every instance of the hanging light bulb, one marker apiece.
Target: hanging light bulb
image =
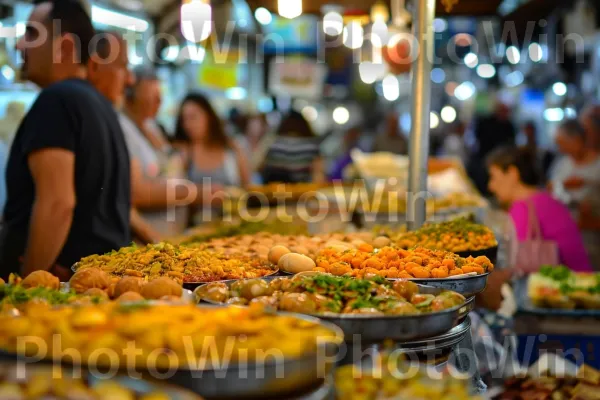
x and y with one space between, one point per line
400 15
289 8
380 12
196 20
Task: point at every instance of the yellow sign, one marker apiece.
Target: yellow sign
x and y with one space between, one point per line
219 70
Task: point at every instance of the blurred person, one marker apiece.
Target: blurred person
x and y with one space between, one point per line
256 142
491 132
454 143
68 170
577 173
210 153
391 139
576 181
294 156
108 71
513 180
543 158
3 160
350 141
590 119
153 161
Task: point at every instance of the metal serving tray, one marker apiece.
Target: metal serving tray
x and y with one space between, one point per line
399 328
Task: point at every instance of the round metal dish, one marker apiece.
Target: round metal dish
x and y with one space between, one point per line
274 377
376 329
194 285
468 286
140 387
270 379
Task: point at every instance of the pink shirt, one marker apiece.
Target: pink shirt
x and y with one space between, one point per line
557 225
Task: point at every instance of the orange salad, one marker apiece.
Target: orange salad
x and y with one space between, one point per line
391 262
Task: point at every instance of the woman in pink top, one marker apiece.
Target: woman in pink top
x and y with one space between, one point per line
513 181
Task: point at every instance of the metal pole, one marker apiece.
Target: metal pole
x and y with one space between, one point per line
419 138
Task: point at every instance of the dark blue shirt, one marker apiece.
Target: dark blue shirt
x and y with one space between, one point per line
70 115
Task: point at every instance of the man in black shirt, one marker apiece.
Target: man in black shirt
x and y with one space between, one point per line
67 176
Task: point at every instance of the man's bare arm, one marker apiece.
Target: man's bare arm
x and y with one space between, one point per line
53 172
142 230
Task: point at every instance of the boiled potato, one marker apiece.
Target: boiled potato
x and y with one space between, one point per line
277 252
295 263
381 241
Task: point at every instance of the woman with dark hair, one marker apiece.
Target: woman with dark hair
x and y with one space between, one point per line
294 156
514 180
210 154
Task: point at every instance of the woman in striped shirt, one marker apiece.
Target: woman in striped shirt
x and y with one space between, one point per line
294 157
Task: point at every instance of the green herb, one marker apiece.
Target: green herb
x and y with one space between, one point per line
558 273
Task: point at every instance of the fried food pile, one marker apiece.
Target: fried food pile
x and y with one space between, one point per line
163 335
259 245
584 386
395 383
87 286
180 263
455 236
389 262
324 294
47 382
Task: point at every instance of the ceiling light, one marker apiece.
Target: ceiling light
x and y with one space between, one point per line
471 60
353 35
486 71
515 78
380 12
559 89
462 39
311 113
104 16
289 8
535 52
196 20
513 55
554 114
570 112
448 114
450 88
379 33
434 120
391 88
265 105
464 91
341 115
236 93
7 72
438 75
440 25
333 23
263 16
170 53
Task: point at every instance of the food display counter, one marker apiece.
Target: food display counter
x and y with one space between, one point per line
310 302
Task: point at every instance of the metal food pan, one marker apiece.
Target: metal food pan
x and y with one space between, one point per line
399 328
468 286
251 380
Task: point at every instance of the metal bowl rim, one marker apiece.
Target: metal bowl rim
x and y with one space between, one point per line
468 302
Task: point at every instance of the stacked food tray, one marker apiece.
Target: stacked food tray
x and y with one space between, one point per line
417 299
